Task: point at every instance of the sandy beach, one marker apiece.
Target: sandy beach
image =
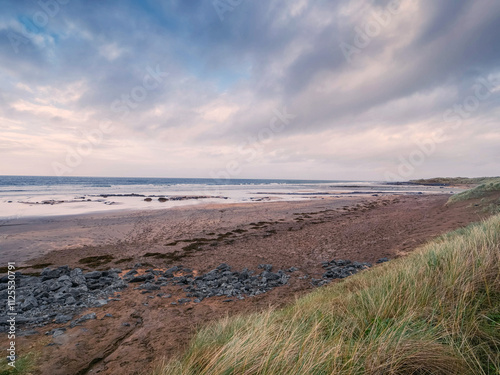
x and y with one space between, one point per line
143 328
250 187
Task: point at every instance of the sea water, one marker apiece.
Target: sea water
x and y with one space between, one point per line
25 196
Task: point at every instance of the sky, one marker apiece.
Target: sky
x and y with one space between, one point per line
299 89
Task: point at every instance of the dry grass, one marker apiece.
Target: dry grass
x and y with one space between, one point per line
436 311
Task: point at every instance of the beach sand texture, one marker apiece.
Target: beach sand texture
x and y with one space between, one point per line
285 234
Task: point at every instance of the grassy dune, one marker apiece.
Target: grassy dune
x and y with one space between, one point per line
454 180
477 192
436 311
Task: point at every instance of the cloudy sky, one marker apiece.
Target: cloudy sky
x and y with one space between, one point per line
310 89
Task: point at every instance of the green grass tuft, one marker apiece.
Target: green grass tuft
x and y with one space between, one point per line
435 311
25 364
453 181
477 192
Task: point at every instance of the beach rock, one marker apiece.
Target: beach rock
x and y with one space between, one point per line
131 273
223 282
172 270
90 316
142 278
93 275
100 303
29 303
57 294
62 318
58 332
340 269
267 267
63 279
27 333
60 293
48 274
149 286
382 260
78 280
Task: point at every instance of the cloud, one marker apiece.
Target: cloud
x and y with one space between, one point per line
355 118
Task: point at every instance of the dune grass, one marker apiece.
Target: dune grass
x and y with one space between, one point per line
477 192
454 180
24 365
436 311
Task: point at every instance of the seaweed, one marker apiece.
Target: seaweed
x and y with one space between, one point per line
96 261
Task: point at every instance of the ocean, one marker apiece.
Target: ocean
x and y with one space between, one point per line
26 196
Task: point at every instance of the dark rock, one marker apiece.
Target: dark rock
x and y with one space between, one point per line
382 260
61 318
223 266
78 280
180 280
266 267
29 303
269 275
27 333
70 300
93 275
149 287
340 269
90 316
172 270
76 272
63 278
100 302
142 278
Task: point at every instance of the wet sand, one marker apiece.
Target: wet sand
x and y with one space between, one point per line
137 231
